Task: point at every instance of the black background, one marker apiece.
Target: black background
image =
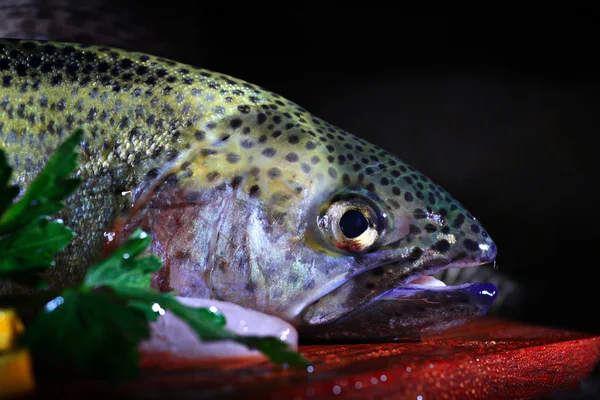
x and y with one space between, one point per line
498 105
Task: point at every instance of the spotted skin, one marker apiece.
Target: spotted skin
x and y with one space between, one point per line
233 179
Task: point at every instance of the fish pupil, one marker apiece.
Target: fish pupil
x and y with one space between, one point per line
353 224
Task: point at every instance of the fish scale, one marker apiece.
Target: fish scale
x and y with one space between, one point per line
246 176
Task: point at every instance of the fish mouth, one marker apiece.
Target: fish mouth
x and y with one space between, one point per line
396 305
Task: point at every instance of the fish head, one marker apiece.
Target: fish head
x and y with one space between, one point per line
277 210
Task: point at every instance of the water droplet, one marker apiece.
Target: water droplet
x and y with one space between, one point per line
383 378
430 365
374 381
337 390
408 369
358 385
52 304
109 235
310 369
495 264
157 308
126 256
419 397
212 309
143 235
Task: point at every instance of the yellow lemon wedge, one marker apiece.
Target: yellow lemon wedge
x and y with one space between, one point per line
16 376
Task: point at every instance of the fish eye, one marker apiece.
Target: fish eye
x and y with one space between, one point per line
351 225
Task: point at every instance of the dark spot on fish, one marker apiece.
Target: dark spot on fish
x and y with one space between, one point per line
233 158
274 173
291 157
261 118
269 152
254 191
245 109
172 154
471 245
416 253
460 219
235 181
235 123
442 246
171 179
414 229
152 174
211 176
247 144
200 135
430 228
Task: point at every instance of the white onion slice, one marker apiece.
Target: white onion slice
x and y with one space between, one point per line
173 342
428 281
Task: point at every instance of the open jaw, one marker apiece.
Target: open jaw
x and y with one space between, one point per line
420 305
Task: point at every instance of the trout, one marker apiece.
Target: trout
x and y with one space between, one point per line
248 197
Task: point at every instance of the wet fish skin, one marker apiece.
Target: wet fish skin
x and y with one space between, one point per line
244 189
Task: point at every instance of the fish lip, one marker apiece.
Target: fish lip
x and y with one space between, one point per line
300 315
435 270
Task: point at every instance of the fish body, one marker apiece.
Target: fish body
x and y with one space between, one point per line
248 197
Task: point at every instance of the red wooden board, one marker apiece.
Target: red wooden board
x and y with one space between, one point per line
486 359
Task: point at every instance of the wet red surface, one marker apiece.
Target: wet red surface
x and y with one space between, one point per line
488 359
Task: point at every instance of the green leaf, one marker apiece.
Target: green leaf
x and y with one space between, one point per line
46 194
276 350
8 192
124 268
91 334
34 246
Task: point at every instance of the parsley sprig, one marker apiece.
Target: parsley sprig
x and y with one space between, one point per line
28 238
94 328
